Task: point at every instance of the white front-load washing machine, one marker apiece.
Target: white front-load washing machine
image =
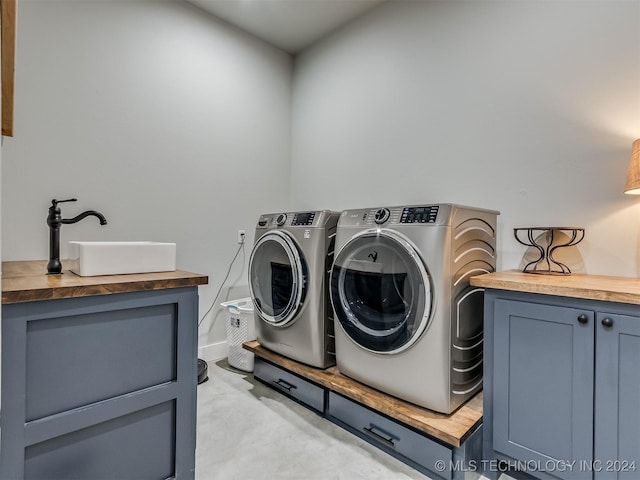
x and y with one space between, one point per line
408 321
288 280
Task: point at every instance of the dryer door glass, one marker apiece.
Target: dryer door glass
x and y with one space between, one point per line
380 291
277 278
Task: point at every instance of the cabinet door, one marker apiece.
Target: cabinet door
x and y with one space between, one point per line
543 387
617 429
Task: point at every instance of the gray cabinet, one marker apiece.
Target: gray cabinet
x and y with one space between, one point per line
562 386
617 396
100 387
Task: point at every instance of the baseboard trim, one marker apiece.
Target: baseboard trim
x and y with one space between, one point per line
213 352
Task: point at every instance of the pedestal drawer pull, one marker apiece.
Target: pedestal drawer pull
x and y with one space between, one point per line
284 385
383 436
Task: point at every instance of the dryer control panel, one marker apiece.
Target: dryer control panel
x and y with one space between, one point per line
419 214
394 215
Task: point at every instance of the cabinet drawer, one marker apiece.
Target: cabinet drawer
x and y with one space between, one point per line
76 360
134 446
392 437
290 384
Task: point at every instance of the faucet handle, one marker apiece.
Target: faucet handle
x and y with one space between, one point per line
54 202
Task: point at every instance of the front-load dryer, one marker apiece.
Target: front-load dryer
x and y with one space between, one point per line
288 280
408 321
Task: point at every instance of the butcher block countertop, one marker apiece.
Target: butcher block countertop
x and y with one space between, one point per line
591 287
452 429
27 281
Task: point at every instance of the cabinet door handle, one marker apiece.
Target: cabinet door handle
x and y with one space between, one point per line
607 322
583 319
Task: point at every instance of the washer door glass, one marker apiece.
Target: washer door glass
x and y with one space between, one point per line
277 278
380 291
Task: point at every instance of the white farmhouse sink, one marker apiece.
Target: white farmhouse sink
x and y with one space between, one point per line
89 259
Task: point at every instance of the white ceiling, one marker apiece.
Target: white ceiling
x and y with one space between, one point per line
290 25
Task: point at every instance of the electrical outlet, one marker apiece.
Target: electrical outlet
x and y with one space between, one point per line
241 236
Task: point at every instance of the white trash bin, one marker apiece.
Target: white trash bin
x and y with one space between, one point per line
241 328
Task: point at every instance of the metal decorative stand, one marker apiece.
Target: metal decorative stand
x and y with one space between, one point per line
546 264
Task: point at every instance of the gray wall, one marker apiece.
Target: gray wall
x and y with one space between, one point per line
174 125
178 127
1 140
525 107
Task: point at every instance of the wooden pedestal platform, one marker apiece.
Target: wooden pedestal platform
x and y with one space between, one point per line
422 438
451 429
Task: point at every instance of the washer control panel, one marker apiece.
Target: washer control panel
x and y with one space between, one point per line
281 219
303 218
293 219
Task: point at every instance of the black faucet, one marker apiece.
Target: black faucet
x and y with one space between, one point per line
55 220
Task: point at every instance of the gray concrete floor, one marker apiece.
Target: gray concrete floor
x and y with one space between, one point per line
247 431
